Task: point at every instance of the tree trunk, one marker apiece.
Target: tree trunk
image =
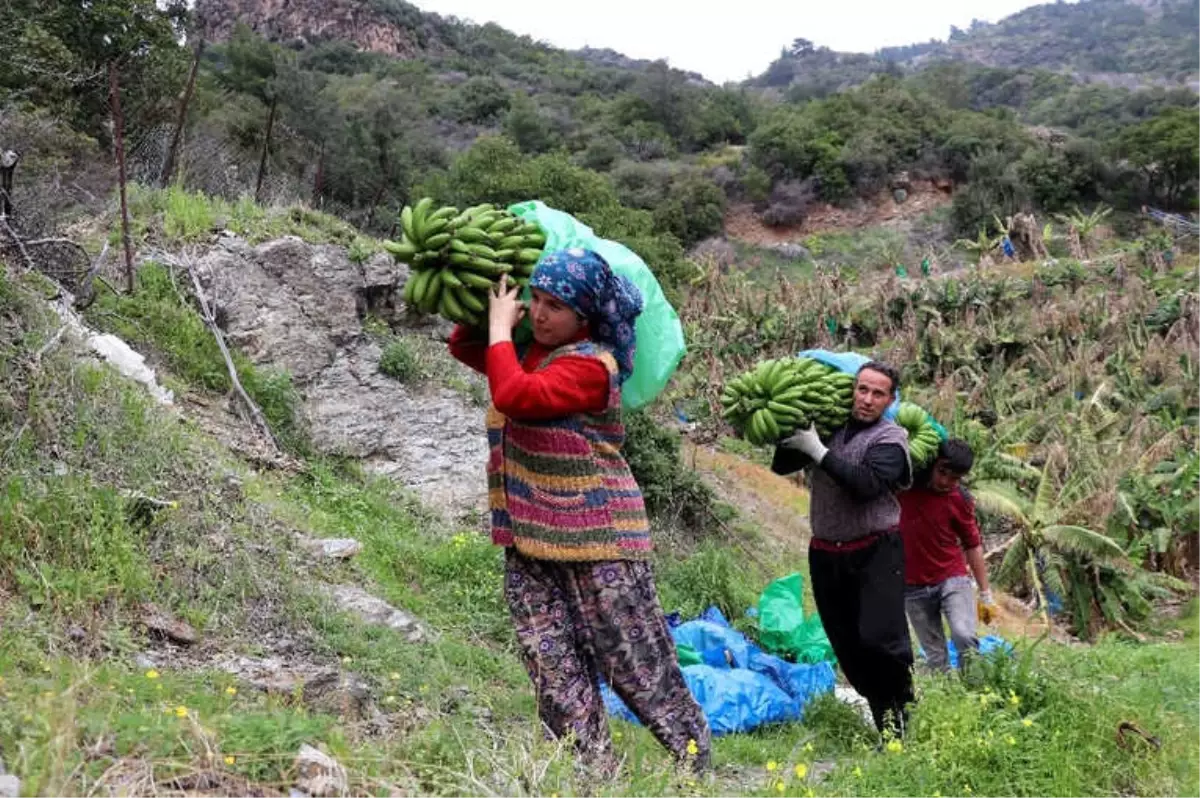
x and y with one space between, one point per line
262 163
173 150
375 202
319 178
114 103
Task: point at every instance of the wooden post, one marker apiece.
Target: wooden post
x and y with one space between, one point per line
319 178
114 103
169 165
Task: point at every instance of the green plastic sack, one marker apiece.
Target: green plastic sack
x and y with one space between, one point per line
783 628
660 344
687 655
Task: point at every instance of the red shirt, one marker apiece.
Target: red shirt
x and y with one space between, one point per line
571 384
937 528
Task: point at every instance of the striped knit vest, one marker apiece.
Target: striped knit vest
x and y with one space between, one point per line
559 489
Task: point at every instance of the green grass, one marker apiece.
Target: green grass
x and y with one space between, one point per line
174 216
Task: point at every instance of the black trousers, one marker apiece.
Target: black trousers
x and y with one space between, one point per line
860 597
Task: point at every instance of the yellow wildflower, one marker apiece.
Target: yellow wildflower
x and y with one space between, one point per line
617 735
779 786
801 770
1027 722
1014 699
895 746
772 766
181 712
231 690
1010 740
857 772
692 748
229 760
808 747
152 674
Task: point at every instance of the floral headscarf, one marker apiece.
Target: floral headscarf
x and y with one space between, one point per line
610 302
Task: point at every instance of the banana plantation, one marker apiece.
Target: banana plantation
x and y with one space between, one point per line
1074 381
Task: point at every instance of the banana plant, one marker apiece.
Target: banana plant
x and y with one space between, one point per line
1084 223
1041 535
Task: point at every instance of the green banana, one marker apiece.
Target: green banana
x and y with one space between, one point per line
437 241
401 250
470 301
406 222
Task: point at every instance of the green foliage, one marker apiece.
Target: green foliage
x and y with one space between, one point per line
995 189
674 495
69 545
1166 150
709 576
401 362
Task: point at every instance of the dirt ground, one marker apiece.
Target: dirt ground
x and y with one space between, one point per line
742 223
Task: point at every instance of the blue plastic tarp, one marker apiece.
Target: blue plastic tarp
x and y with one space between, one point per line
987 645
739 687
850 363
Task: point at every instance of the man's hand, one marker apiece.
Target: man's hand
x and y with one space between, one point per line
985 607
808 442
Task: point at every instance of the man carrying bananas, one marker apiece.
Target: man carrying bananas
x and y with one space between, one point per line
941 538
856 557
569 513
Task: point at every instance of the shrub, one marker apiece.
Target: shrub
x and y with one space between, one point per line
673 494
789 203
401 362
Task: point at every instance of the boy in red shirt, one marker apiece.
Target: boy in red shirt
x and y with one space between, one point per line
941 538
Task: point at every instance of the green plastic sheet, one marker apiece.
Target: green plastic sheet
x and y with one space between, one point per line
660 344
783 629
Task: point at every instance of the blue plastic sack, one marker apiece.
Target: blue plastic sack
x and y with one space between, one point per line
850 363
740 687
659 332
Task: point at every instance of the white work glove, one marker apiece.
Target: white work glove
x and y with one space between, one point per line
807 441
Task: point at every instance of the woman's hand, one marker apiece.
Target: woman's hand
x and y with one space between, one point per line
504 310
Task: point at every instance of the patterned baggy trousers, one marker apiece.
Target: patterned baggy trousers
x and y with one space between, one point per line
578 622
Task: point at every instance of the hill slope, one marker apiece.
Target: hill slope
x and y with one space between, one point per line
1127 43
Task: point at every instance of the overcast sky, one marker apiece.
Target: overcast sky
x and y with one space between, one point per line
730 39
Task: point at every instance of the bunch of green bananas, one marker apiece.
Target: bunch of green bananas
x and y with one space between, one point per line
457 257
777 397
923 438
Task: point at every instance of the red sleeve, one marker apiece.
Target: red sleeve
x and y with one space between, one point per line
571 384
469 347
964 521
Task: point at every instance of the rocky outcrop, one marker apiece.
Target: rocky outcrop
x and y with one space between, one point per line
295 306
312 21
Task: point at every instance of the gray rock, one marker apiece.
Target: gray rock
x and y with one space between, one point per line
332 548
383 270
318 774
792 251
376 611
899 195
161 624
716 250
10 786
295 306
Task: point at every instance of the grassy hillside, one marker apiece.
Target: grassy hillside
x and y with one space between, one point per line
95 703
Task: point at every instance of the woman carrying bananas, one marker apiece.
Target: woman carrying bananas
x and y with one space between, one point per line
569 513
